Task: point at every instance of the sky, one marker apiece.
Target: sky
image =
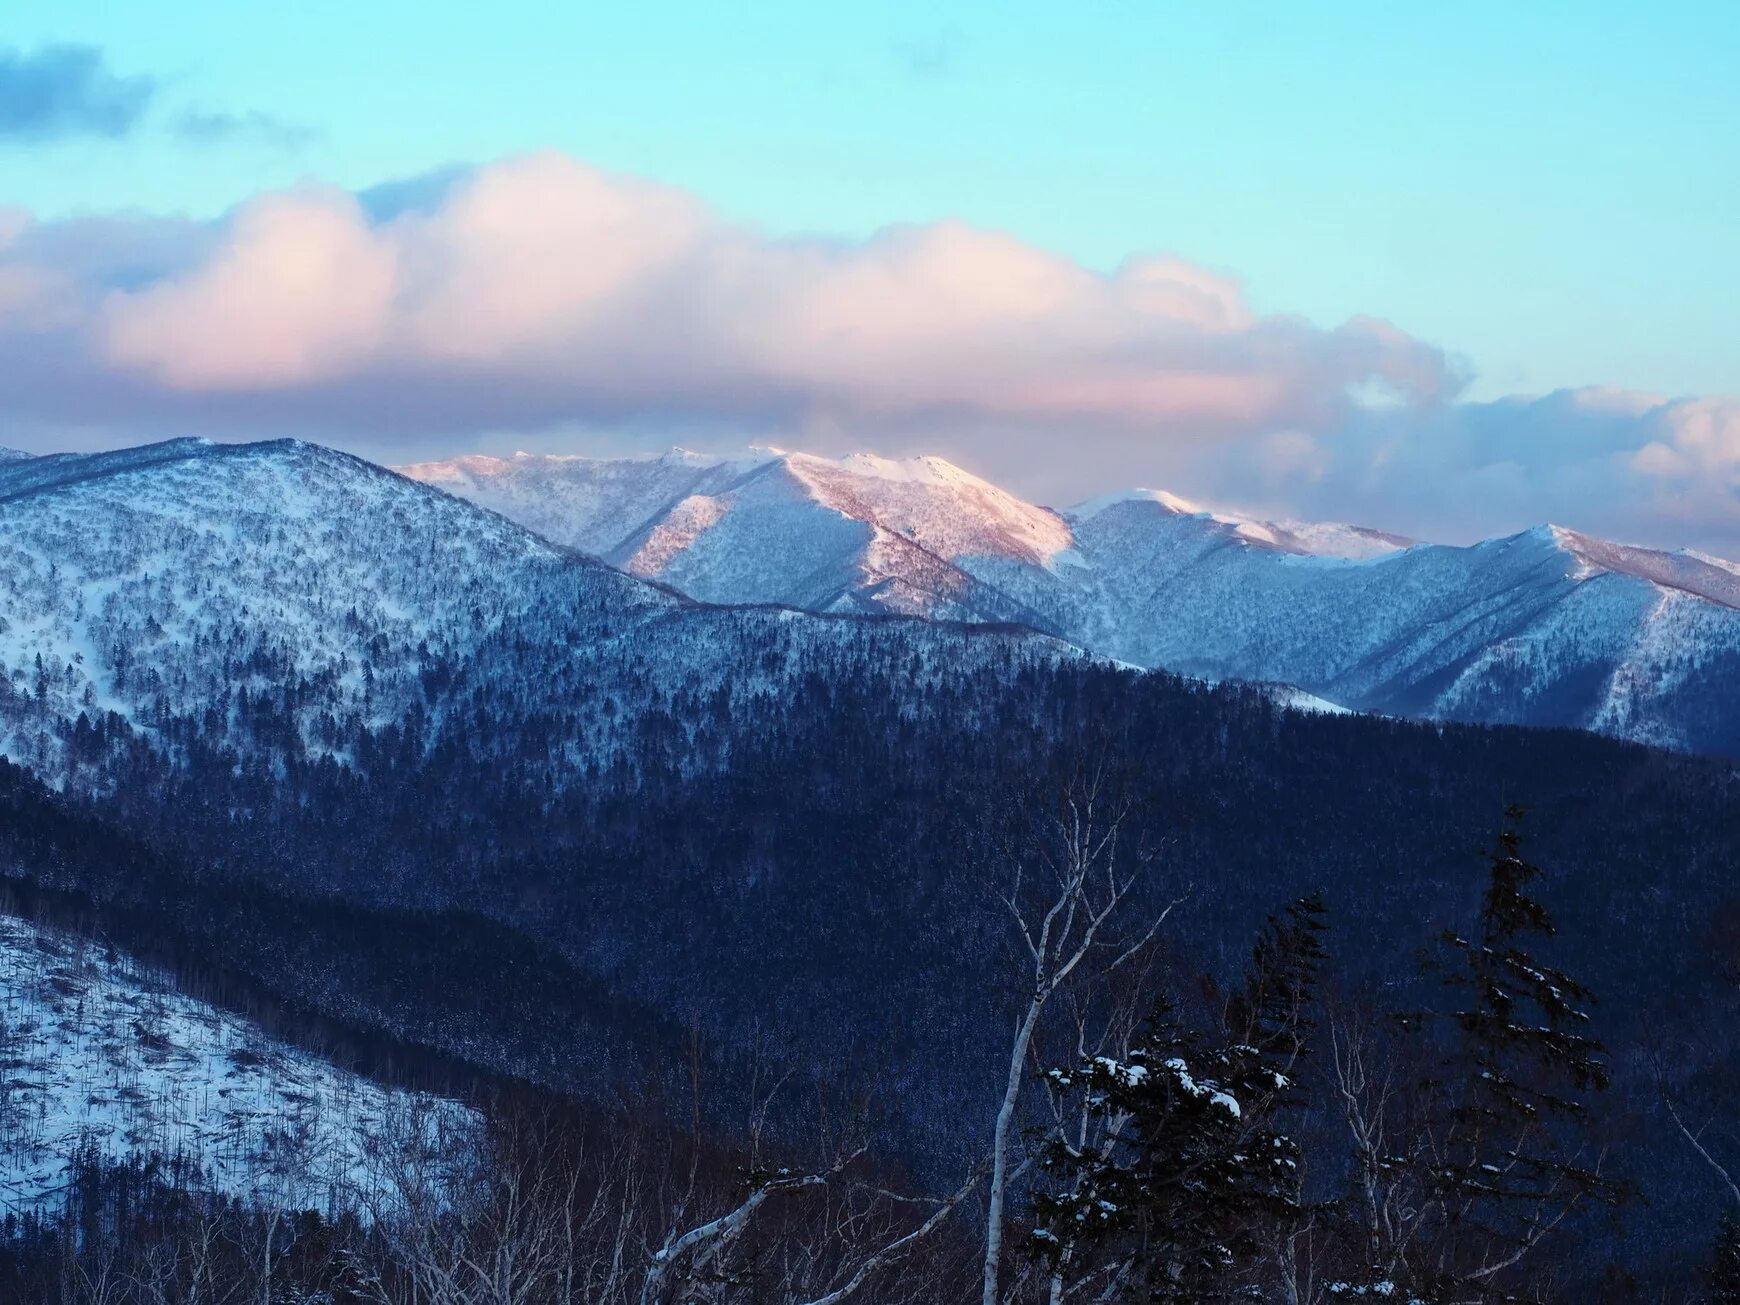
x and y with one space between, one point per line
1444 269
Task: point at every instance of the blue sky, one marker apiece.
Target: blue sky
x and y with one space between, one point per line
1546 188
1544 192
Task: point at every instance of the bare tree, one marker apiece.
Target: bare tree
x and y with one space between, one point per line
188 1269
703 1246
1695 1139
1066 890
858 1269
1369 1097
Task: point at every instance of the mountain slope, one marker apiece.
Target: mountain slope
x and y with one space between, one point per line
185 576
761 829
289 603
860 534
105 1058
1549 627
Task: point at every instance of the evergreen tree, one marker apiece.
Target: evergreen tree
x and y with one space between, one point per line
1179 1176
1503 1160
1274 1012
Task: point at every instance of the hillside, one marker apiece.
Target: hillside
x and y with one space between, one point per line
283 602
103 1059
408 766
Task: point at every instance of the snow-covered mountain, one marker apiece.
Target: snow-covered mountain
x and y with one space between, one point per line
234 593
859 534
1546 627
104 1057
287 596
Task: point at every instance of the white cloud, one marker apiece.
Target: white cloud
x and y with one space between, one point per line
612 295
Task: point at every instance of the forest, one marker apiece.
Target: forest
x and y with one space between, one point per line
1323 921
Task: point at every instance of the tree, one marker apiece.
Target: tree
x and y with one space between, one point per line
1275 1010
1068 883
1181 1180
1722 1281
1722 1286
1499 1163
1176 1196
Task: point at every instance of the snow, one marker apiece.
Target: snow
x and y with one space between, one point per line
1383 1288
1127 1075
1171 502
1209 1091
1312 538
1694 573
169 577
102 1053
1342 617
1291 696
862 533
165 581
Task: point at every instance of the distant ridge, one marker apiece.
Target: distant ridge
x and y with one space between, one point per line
1546 627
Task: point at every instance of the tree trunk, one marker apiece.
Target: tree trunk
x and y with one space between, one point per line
1000 1144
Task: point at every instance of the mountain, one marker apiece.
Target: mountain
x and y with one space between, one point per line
1549 627
284 600
403 764
106 1060
862 534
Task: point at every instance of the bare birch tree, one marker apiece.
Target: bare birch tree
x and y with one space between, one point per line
1067 889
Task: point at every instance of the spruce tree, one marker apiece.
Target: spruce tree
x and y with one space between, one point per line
1182 1176
1504 1158
1274 1013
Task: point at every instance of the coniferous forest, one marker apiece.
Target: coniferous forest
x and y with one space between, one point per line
1160 974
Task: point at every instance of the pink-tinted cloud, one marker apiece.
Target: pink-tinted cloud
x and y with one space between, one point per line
300 290
539 288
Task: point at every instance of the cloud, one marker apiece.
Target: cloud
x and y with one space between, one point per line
539 289
1635 466
298 289
1698 439
539 294
203 127
67 90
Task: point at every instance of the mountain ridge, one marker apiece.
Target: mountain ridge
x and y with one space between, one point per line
1506 630
185 588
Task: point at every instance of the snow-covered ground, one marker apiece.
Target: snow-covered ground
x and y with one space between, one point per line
99 1053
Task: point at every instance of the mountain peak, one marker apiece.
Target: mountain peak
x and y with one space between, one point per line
923 470
1311 538
1170 502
